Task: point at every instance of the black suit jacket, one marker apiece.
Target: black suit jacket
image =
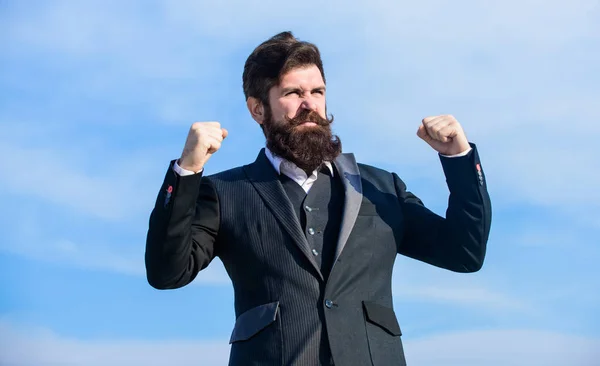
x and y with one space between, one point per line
285 311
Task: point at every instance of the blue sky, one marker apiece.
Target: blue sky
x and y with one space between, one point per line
96 98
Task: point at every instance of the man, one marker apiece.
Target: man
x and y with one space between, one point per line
308 236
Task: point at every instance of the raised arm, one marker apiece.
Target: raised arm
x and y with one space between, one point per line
182 231
184 223
458 241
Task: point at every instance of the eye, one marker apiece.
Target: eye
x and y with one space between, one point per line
320 92
292 92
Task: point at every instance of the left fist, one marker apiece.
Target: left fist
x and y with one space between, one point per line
444 134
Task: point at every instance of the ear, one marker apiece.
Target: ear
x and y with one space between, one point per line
256 109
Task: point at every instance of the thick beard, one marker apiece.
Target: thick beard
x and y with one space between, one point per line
307 146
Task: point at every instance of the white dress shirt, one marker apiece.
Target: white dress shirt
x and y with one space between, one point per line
291 170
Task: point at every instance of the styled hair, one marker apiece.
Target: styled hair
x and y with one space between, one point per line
272 59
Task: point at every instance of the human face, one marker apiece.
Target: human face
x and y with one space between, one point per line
300 89
295 125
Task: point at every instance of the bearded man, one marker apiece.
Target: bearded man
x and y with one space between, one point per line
308 236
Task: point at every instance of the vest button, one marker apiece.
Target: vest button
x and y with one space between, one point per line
328 303
308 208
314 251
311 231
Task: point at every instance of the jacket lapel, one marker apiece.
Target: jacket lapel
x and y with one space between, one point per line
349 173
264 178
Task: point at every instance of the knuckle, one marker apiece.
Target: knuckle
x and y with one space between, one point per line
202 125
197 130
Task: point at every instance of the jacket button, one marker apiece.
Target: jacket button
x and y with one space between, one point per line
328 303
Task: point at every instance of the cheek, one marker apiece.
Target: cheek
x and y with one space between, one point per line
288 108
322 109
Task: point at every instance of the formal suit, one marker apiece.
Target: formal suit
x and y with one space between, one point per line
292 308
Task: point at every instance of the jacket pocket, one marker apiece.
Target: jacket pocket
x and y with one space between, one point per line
253 321
383 335
383 317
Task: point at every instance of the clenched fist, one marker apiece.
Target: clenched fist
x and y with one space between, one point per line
444 134
203 140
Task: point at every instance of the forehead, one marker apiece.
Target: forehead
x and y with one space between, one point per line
306 76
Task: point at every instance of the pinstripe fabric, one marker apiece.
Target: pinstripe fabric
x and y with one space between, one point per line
273 267
265 252
284 308
319 212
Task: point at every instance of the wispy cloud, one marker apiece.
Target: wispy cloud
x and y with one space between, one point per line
480 298
108 187
497 69
89 247
25 346
95 255
503 347
97 96
523 84
482 293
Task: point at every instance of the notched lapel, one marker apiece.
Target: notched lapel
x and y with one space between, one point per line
264 178
348 169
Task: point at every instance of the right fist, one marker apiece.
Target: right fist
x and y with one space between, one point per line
203 140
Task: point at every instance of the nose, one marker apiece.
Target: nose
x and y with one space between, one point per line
309 104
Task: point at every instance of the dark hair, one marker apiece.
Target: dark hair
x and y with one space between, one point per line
274 58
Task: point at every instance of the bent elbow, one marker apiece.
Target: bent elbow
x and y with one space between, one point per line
161 284
472 267
160 280
155 283
472 264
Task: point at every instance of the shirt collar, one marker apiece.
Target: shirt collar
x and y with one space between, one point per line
276 161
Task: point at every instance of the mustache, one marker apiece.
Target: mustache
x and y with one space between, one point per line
309 116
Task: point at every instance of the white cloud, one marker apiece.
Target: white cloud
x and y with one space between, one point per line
538 22
480 298
545 175
87 181
29 346
110 258
503 347
518 75
515 73
125 260
98 250
484 292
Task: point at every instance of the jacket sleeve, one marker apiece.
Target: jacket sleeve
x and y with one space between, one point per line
182 230
458 241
